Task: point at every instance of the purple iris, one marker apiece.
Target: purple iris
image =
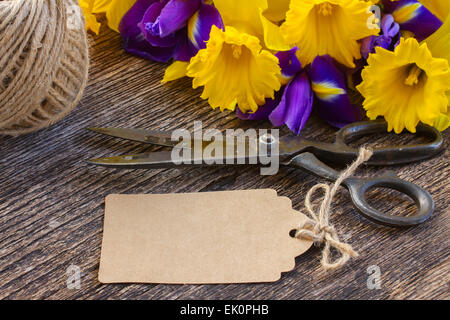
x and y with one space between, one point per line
322 82
388 39
419 20
161 30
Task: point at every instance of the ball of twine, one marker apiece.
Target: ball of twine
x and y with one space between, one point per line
44 63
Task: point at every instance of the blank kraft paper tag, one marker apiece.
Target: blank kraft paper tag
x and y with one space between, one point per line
199 238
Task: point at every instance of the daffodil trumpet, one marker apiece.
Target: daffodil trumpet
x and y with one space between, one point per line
328 27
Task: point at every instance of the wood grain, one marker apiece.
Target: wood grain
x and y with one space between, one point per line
52 202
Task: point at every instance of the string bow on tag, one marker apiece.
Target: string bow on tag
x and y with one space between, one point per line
318 227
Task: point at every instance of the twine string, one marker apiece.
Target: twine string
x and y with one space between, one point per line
318 227
43 63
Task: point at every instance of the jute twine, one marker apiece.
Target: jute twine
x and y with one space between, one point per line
318 227
44 63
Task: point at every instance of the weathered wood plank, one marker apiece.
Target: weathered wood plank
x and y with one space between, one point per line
52 202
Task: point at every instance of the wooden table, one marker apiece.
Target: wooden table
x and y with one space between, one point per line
52 202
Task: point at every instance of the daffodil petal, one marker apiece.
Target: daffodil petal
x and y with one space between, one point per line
175 71
272 35
329 86
442 122
276 10
116 10
439 42
242 15
91 21
100 6
89 4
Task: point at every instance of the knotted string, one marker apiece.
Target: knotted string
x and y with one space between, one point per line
318 228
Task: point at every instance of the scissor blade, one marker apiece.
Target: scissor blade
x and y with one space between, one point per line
160 138
166 159
152 160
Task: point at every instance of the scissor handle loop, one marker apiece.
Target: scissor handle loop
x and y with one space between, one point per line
359 188
395 154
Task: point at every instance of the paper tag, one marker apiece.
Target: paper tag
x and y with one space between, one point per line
199 238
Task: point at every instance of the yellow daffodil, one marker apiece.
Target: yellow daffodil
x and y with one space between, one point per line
175 71
114 9
405 86
277 9
321 27
256 17
87 6
235 70
439 45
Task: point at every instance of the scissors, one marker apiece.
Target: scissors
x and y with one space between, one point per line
297 152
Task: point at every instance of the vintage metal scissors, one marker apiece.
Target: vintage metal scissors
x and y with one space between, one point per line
300 153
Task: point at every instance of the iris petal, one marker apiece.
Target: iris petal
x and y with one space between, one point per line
329 86
388 26
295 106
141 48
388 40
264 111
174 16
413 16
184 50
199 25
134 41
149 18
440 8
129 25
289 63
